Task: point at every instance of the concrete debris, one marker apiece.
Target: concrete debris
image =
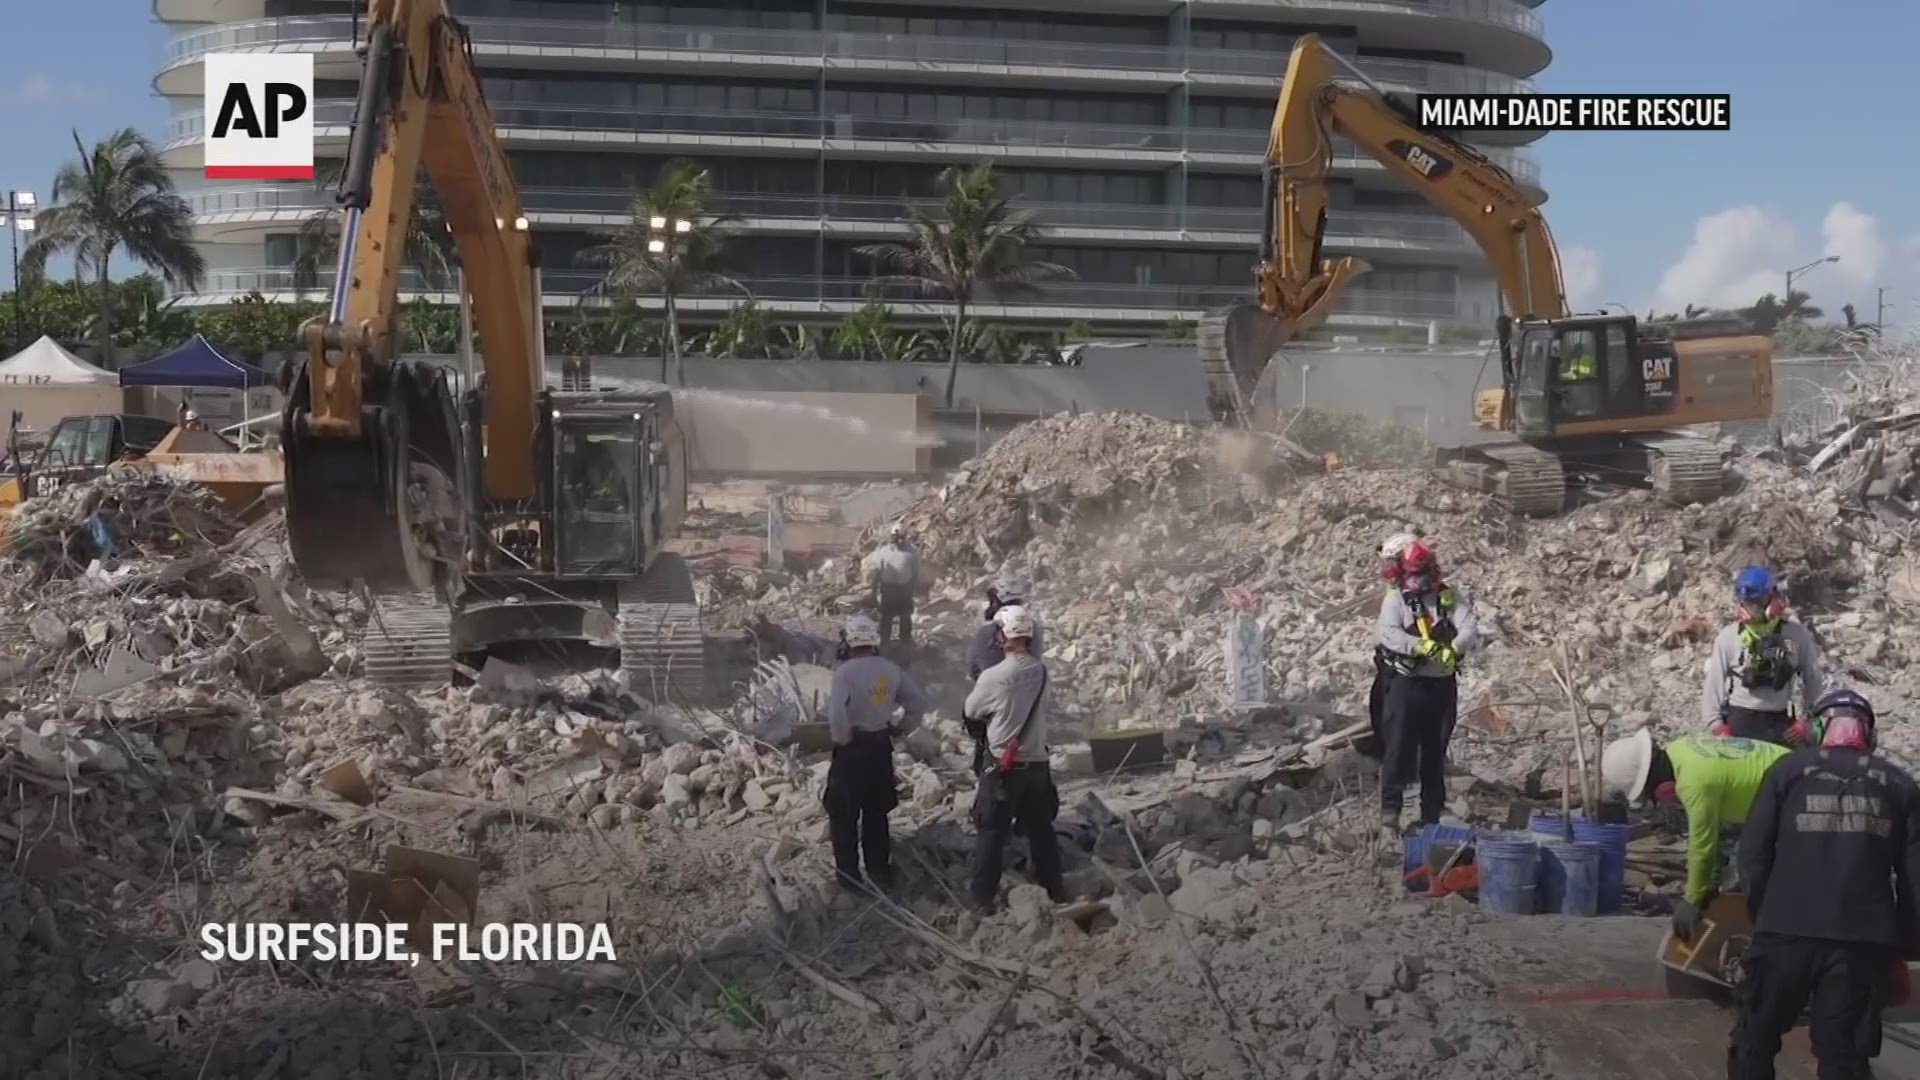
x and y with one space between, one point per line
193 745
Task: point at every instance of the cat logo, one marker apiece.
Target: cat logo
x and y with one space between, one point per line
1656 368
1424 161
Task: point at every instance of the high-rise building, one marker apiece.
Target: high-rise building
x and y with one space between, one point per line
1132 130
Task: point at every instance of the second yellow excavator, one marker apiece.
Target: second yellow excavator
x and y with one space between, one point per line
1594 394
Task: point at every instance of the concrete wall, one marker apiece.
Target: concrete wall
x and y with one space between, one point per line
798 434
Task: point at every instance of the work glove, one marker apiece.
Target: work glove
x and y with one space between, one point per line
1687 921
1722 730
1799 733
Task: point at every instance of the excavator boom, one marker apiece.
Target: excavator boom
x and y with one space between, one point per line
373 443
1595 393
1298 286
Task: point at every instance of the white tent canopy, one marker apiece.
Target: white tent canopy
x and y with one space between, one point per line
45 363
44 382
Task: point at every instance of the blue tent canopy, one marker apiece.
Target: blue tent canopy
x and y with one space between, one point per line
195 363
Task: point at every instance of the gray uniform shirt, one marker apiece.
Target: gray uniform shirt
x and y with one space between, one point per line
1002 697
985 651
893 565
865 691
1396 616
1728 661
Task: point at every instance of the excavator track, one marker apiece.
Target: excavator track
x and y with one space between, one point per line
409 642
1685 471
1531 481
663 651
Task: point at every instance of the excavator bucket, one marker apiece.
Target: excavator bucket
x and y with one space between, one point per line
382 509
1235 348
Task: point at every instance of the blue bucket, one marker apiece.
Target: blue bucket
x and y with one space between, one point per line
1612 841
1569 877
1509 866
1415 859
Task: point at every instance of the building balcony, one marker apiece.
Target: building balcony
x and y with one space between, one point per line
807 134
596 46
228 213
1507 31
798 296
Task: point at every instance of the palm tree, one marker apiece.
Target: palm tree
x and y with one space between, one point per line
685 256
116 196
977 244
430 252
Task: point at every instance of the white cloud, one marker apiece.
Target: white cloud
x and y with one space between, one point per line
1855 237
37 89
34 88
1736 256
1744 252
1580 275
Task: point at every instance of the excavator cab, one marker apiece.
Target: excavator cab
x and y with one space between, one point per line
597 472
1586 370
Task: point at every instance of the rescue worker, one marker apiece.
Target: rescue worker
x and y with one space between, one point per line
1576 363
1425 627
1390 552
1714 778
1750 673
893 575
1830 856
1016 790
987 648
860 782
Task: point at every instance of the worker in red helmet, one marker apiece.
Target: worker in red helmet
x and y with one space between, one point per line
1830 857
1425 627
1391 550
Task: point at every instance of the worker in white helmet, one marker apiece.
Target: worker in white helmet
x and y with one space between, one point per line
988 647
1016 791
1714 779
893 577
868 690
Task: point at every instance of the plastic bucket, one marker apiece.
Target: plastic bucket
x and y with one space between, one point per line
1569 877
1612 840
1509 866
1413 863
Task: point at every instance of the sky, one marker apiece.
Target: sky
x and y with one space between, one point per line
1820 160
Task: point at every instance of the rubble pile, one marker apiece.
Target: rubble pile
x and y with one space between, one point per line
144 627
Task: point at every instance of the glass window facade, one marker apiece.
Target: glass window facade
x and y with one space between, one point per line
1120 189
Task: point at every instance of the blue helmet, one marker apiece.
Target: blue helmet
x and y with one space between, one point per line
1754 585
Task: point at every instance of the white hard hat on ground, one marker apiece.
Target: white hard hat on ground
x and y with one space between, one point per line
1625 763
1011 584
862 633
898 531
1015 621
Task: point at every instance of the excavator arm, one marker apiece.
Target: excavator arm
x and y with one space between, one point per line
1298 285
373 443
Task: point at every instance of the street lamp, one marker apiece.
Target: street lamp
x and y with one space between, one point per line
665 234
1798 270
18 218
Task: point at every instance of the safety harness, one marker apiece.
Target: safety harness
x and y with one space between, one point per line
1766 658
1425 627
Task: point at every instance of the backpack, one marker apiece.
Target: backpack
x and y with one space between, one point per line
1767 660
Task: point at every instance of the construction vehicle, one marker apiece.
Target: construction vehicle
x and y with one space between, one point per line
1595 394
81 448
542 517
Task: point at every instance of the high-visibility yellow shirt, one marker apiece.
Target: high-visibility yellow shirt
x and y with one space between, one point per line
1716 779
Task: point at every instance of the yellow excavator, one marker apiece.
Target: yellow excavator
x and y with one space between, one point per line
526 517
1580 394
